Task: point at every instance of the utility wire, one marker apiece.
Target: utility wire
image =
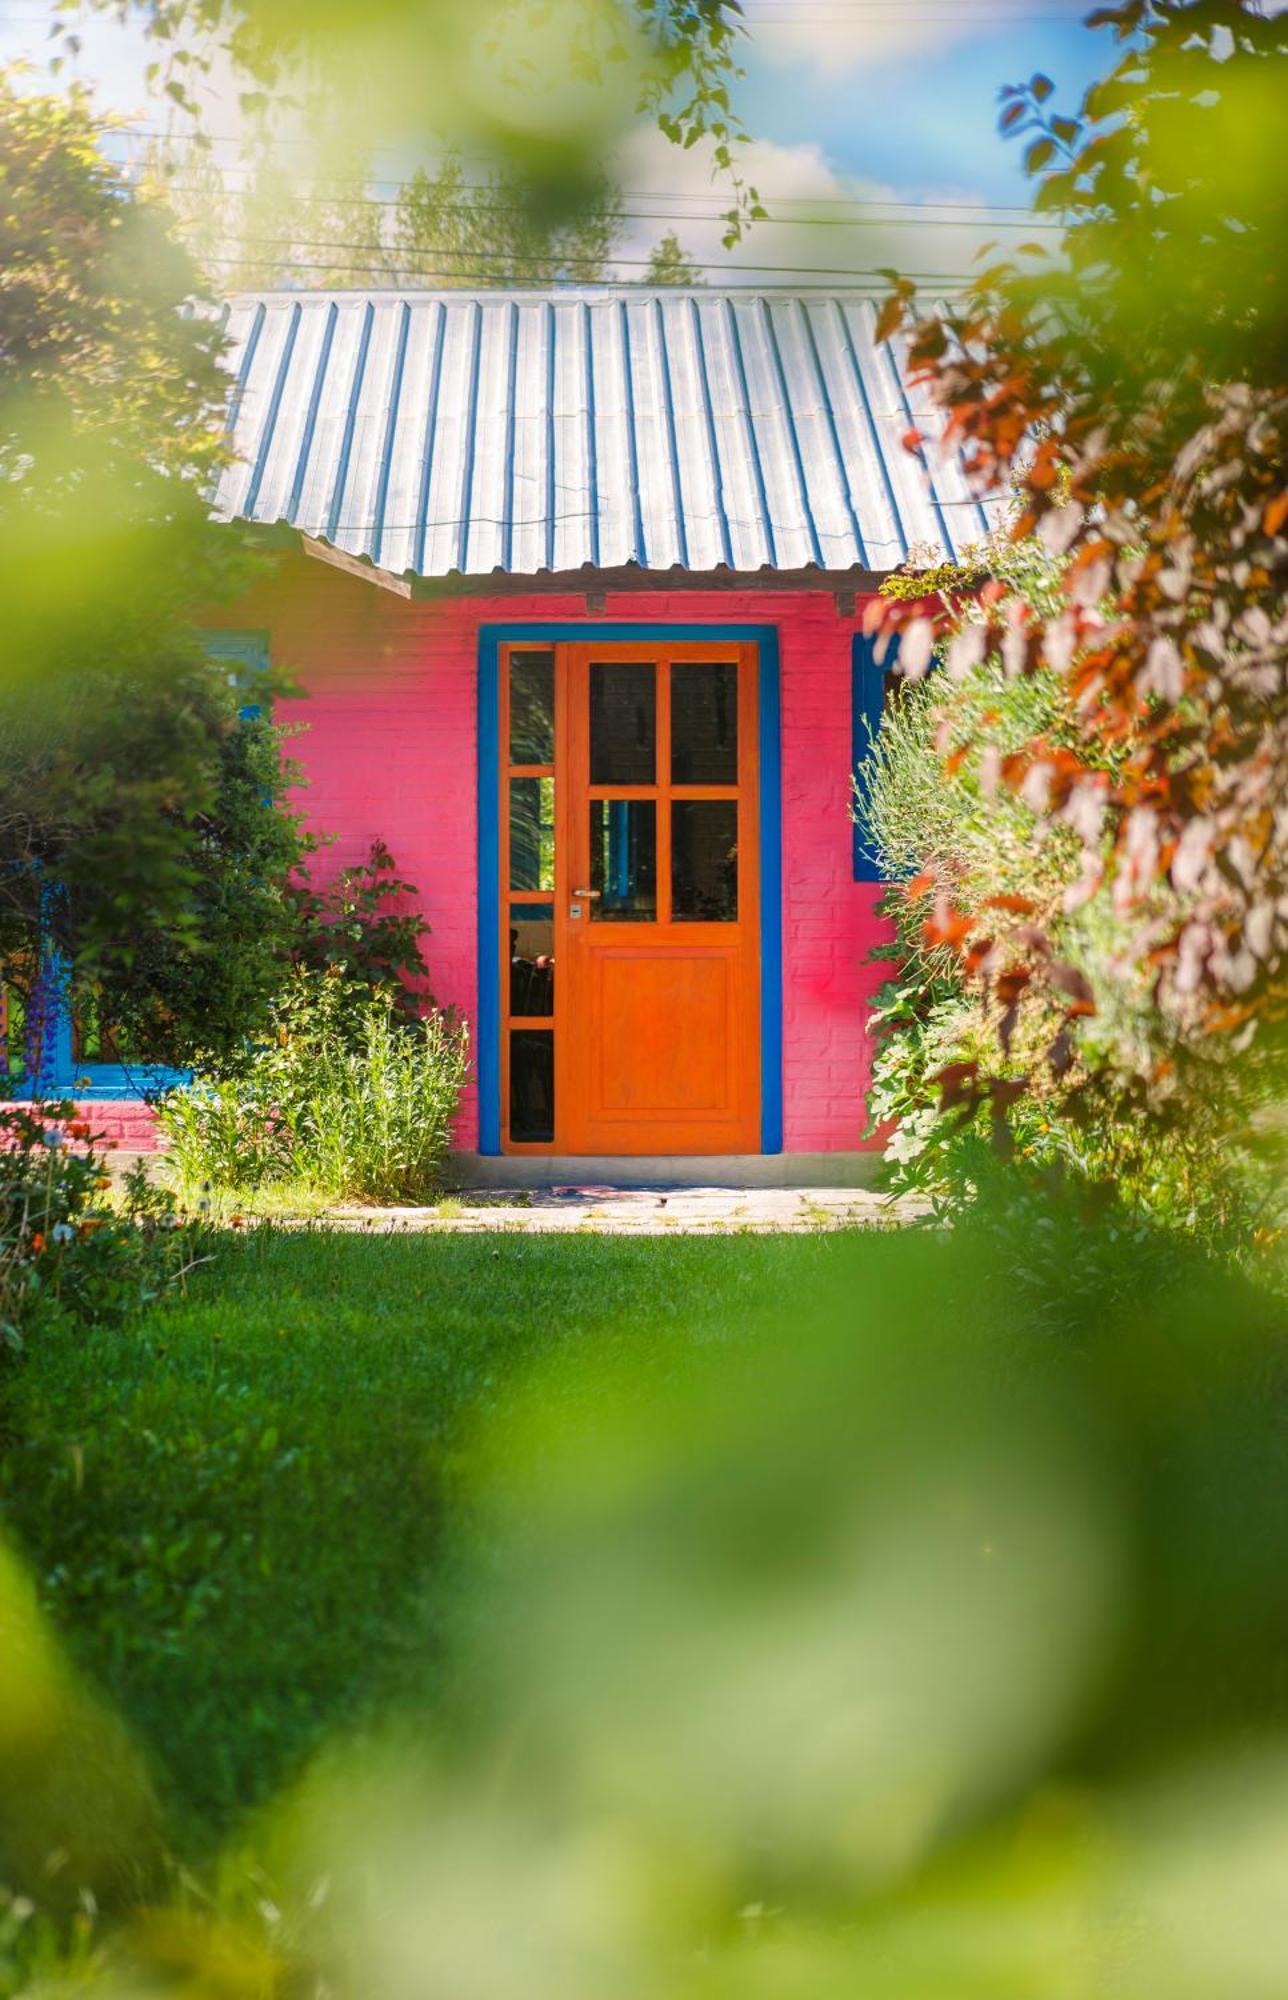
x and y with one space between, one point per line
254 143
984 210
833 13
896 223
974 17
482 211
914 213
395 268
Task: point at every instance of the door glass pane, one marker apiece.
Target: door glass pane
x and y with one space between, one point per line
704 723
532 708
532 962
704 861
532 1085
623 860
623 723
532 833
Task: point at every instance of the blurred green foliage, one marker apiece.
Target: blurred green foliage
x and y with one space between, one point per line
78 1815
901 1651
111 414
924 1636
542 88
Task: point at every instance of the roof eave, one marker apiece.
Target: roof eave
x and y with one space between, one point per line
586 578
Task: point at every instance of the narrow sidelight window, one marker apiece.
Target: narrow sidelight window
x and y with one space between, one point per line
532 1085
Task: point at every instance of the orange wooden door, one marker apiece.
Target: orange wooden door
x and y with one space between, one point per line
657 922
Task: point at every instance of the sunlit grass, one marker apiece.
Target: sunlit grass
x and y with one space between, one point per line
235 1513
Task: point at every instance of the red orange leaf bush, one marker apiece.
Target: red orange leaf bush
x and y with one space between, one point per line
1132 387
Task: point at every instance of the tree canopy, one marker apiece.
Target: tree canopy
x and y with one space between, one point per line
139 832
444 228
670 264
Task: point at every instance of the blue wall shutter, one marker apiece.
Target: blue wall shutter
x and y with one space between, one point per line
867 704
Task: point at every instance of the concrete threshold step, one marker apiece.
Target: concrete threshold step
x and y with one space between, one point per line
723 1170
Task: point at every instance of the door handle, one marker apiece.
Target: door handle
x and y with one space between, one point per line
588 895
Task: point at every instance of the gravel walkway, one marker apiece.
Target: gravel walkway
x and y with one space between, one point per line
642 1211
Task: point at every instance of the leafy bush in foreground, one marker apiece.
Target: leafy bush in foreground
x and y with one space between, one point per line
1079 1072
65 1252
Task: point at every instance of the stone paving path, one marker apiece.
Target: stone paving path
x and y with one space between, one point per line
640 1211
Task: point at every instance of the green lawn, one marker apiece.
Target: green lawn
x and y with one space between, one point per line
234 1514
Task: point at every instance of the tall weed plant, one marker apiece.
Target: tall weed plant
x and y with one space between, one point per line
348 1096
377 1117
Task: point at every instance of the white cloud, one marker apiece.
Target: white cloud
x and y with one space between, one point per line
847 35
821 222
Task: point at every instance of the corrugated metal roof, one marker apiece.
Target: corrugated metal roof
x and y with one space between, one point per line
437 434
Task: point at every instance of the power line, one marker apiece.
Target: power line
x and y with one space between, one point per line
636 194
639 194
983 210
917 17
977 214
484 212
1055 10
394 266
832 13
915 13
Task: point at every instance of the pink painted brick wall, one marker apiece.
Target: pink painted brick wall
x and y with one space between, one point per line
389 746
117 1124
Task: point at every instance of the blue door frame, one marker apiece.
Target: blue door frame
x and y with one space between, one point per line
488 1025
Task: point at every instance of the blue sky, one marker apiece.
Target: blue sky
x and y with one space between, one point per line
883 103
923 120
891 91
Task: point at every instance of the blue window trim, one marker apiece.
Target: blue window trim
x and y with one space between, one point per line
488 1049
867 705
60 1075
247 657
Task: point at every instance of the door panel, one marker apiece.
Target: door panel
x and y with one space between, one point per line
644 1067
645 821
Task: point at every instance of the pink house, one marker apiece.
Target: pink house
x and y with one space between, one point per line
574 583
